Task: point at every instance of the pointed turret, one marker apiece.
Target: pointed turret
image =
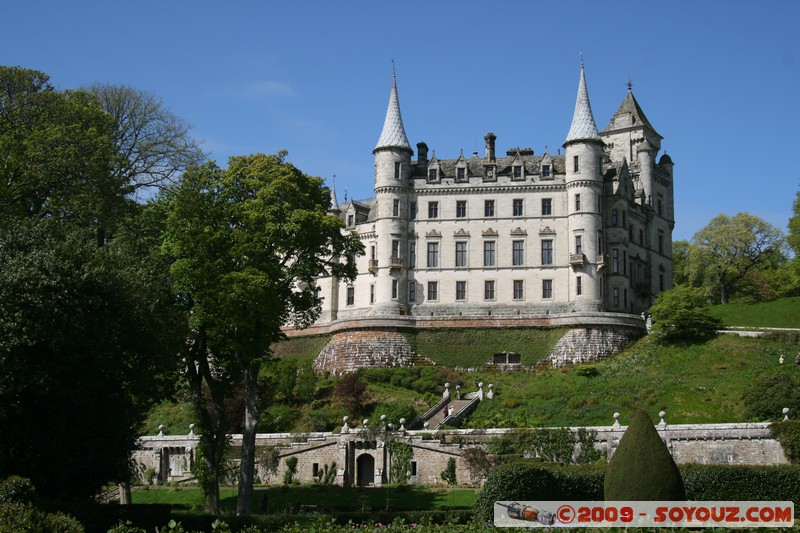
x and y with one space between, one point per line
583 127
628 115
393 134
334 201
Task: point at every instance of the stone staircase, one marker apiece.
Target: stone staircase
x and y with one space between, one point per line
441 414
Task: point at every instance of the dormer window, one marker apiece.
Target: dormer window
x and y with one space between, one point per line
433 175
517 173
545 171
489 174
461 174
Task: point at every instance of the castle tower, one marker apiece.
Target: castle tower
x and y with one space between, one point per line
584 183
392 176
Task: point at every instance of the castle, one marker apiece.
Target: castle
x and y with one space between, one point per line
514 236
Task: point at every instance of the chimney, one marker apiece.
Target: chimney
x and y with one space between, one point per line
490 138
422 153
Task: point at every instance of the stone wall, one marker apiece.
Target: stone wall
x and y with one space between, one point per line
364 348
584 345
738 444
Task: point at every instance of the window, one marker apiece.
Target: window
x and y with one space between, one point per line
372 251
624 219
351 295
461 290
517 207
413 468
461 174
661 282
547 252
372 294
395 207
577 202
394 289
433 290
488 290
576 166
397 170
461 254
433 209
433 254
488 208
615 297
395 250
660 242
412 291
488 253
660 204
547 206
547 288
578 244
517 172
519 289
625 297
315 469
579 285
641 237
615 261
625 263
412 254
349 221
545 171
433 174
517 253
413 209
461 208
614 217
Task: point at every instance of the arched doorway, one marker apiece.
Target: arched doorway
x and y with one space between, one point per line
365 470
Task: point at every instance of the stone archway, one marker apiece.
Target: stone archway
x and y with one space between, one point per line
365 470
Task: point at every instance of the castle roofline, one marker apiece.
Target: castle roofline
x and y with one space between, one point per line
393 134
629 115
583 127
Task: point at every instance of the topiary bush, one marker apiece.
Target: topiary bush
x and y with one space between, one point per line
523 480
642 468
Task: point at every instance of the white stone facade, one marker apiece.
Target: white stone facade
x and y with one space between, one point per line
519 235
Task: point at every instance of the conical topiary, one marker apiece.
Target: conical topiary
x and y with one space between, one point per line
642 468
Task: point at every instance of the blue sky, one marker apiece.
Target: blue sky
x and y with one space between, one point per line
717 79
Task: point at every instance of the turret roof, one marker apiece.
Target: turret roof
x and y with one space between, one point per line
583 127
393 134
629 114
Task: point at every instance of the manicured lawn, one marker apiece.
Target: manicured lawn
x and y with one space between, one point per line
782 313
326 499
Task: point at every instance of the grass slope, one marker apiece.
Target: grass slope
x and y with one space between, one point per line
781 313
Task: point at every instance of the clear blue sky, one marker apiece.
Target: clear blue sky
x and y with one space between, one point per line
717 79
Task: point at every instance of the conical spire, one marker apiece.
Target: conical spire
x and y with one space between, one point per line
583 127
393 134
629 114
334 201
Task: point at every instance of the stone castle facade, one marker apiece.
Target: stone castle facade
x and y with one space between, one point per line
519 235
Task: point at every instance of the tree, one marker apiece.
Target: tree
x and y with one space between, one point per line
351 393
766 396
57 153
680 262
729 247
642 468
794 227
248 243
153 144
85 347
683 313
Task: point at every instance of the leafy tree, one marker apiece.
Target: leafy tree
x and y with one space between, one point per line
449 473
154 145
248 243
85 350
291 470
794 227
400 454
57 153
680 262
683 313
642 468
478 462
729 247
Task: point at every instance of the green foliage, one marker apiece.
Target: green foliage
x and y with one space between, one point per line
728 248
557 445
327 474
529 480
767 395
781 313
449 473
268 458
794 228
291 470
394 411
742 483
400 454
175 416
788 434
642 467
19 514
683 313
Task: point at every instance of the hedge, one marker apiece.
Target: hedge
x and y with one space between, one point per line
530 480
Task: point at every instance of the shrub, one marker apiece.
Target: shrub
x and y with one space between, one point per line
394 411
683 313
642 468
351 393
788 434
449 473
765 397
16 489
478 462
515 481
291 470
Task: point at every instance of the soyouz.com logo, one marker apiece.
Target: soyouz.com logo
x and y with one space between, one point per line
643 514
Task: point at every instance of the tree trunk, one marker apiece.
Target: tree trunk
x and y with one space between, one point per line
125 497
244 504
